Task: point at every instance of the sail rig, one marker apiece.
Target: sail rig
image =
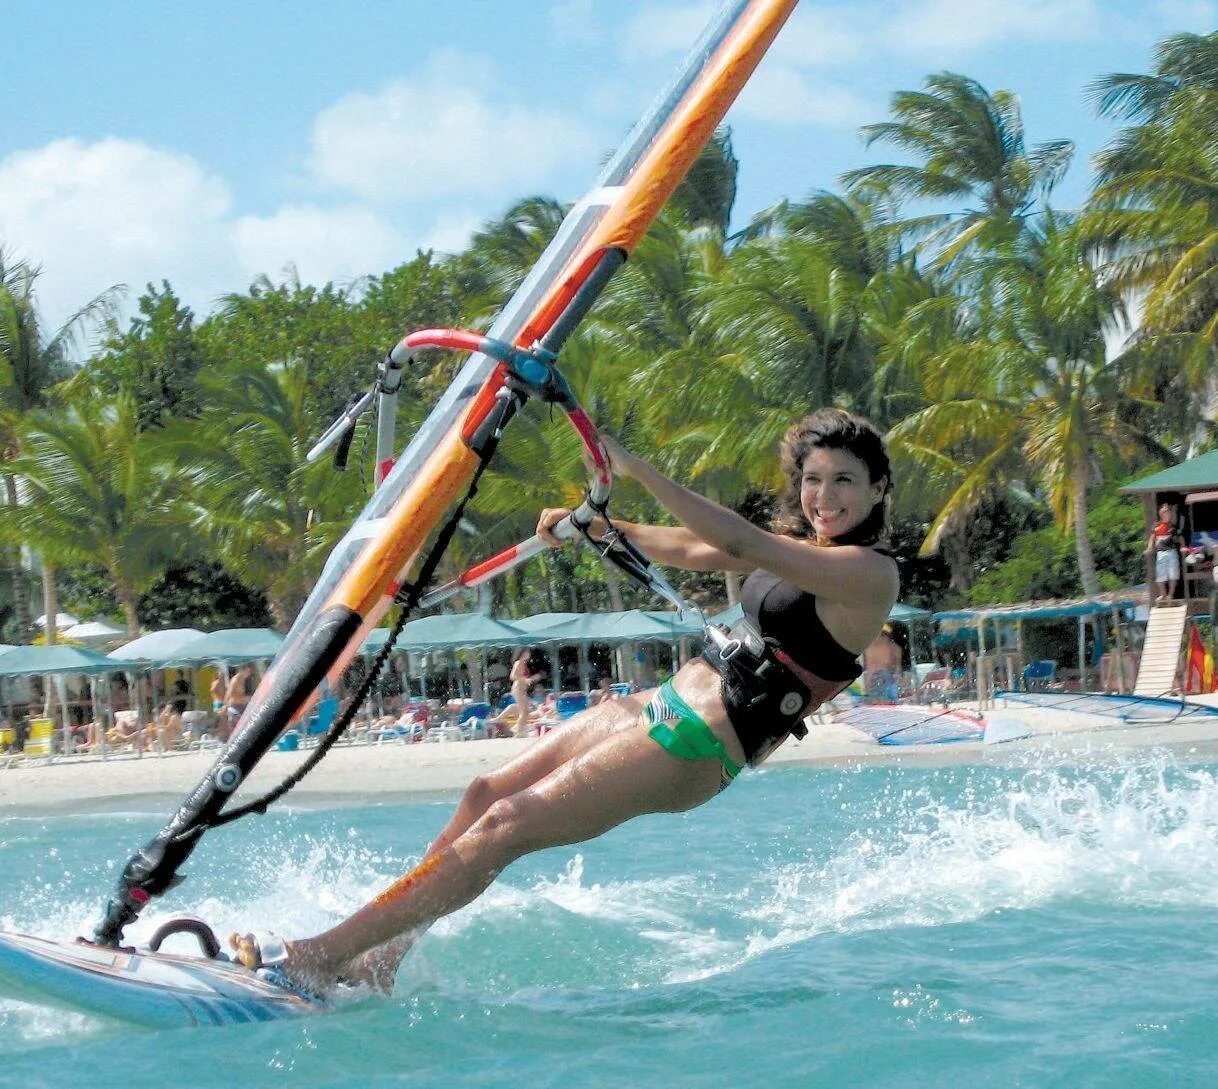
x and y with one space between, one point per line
512 361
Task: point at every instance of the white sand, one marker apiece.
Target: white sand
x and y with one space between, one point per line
394 772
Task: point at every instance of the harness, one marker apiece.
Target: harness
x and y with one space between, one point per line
766 693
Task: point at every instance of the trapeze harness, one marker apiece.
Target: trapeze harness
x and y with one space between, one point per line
766 690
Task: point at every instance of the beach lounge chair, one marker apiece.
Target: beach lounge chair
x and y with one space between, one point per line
1040 675
570 703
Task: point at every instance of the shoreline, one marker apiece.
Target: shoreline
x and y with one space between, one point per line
395 774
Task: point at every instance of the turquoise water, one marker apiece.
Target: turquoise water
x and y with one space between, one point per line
1031 926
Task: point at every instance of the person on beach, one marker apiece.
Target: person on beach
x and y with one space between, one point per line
169 731
237 695
1165 541
602 693
522 680
818 592
882 667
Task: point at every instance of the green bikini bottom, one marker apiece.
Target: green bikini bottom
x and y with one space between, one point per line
677 727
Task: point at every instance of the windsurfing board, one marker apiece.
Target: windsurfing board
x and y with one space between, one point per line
164 990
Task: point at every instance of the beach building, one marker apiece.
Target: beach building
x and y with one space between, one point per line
1193 486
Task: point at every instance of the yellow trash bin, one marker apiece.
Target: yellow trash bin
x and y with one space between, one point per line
41 740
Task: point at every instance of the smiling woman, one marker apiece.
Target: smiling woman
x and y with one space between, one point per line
819 591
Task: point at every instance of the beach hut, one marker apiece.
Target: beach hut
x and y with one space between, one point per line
1193 485
157 647
614 629
157 650
230 646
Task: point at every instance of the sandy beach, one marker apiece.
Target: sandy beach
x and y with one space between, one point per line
352 774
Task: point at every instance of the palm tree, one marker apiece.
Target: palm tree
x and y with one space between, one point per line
1155 210
100 491
270 517
1026 397
30 362
969 146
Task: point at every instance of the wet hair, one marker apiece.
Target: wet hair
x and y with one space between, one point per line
832 429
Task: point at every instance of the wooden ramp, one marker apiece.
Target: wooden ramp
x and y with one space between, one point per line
1160 663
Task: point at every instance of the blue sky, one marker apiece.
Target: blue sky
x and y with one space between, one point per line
206 143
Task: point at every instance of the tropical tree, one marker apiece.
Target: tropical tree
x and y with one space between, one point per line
156 361
268 515
31 360
969 148
99 491
1155 212
1027 397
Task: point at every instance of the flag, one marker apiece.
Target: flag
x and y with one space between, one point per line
1199 673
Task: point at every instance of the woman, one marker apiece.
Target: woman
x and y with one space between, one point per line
521 680
674 748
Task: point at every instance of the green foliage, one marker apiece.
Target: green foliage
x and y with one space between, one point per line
203 595
156 362
1041 563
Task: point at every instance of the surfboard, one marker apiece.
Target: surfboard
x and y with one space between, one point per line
164 990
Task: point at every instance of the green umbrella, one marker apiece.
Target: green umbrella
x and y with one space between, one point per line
233 646
454 631
157 647
60 658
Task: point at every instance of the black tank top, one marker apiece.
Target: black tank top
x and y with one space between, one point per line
782 611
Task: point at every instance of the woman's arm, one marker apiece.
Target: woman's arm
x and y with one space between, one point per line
848 574
673 546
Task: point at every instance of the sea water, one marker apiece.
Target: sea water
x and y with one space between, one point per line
1031 926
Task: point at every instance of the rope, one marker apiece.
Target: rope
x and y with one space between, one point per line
414 591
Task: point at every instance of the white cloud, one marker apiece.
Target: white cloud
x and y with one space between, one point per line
818 36
449 131
120 211
452 231
939 27
112 211
780 93
658 31
338 244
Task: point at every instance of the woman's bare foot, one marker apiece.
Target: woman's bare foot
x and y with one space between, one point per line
376 968
257 950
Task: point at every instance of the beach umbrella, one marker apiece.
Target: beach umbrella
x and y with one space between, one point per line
232 646
904 614
627 626
62 620
157 647
458 631
540 621
60 658
93 631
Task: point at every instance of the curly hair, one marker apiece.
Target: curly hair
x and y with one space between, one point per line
832 429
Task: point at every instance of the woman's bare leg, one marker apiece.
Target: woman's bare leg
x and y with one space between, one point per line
579 734
623 776
377 967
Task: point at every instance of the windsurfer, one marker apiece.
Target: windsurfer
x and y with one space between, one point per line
675 748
